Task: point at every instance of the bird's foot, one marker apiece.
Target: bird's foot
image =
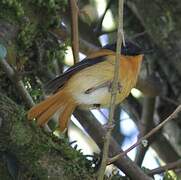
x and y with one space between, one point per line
103 85
119 87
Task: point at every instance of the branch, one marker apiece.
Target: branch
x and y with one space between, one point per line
169 166
158 142
146 125
163 148
20 86
149 134
113 92
74 29
17 82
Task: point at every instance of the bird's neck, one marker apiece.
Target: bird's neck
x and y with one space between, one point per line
130 65
136 63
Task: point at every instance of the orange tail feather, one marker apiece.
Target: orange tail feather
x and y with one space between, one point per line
65 115
45 110
46 115
38 109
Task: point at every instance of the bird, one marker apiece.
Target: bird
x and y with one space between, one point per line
87 84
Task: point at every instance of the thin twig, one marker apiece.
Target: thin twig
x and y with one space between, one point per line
113 92
149 134
169 166
74 29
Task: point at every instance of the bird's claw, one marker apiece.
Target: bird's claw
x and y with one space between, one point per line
119 87
103 85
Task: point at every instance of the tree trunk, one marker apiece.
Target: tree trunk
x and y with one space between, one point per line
28 152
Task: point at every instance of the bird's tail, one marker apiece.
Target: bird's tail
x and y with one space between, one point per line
44 110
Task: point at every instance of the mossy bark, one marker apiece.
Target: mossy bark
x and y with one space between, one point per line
28 152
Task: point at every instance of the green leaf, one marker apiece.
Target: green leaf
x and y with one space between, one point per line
3 52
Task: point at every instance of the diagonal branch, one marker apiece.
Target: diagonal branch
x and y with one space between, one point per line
17 82
12 75
149 134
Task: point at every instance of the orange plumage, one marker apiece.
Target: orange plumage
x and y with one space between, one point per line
87 84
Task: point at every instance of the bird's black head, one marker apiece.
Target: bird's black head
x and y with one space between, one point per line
130 49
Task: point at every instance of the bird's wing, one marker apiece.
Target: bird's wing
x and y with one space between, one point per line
58 82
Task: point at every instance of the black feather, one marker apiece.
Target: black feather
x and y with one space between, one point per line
130 48
55 84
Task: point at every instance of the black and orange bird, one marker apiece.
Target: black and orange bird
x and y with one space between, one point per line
87 84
